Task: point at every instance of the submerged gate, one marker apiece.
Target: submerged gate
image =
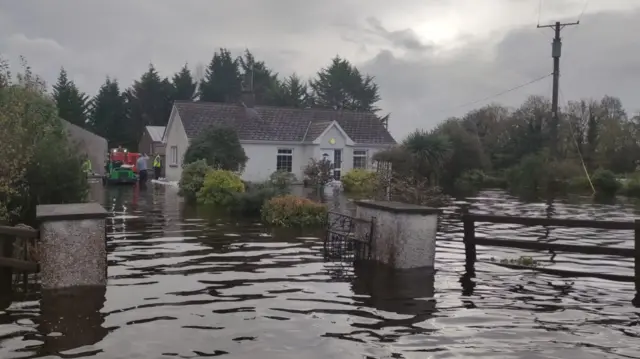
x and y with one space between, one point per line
348 239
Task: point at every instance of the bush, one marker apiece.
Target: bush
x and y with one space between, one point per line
250 202
359 181
219 147
470 181
530 176
495 181
605 182
282 179
631 187
539 174
293 211
192 179
38 163
55 177
219 188
318 172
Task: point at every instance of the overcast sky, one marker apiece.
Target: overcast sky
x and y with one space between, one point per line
430 57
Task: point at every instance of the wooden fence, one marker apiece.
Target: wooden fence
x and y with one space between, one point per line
471 241
9 264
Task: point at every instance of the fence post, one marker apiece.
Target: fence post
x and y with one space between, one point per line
6 274
636 300
469 240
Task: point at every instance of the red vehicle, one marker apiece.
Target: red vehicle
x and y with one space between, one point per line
129 159
120 167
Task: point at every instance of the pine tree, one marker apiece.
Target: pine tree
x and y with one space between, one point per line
108 115
72 104
222 80
262 78
184 87
149 103
291 92
342 86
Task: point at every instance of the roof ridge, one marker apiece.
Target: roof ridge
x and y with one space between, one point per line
315 109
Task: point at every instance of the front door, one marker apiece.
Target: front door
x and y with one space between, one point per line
335 157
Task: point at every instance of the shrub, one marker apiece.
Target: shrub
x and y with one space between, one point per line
192 179
54 177
219 147
359 181
219 188
495 181
293 211
579 184
530 176
632 186
250 201
605 182
470 181
537 174
282 179
318 172
38 162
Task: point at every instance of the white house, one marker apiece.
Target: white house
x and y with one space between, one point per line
278 138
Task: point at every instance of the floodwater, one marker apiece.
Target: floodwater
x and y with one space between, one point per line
185 285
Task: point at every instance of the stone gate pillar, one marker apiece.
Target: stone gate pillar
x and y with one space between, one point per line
72 246
404 235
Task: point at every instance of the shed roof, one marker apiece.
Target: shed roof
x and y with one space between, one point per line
155 132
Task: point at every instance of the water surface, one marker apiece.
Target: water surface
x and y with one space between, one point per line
183 284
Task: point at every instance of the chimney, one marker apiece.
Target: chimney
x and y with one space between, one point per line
248 98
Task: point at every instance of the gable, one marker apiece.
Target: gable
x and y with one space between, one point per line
333 136
167 128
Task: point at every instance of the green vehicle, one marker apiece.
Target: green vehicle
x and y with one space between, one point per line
117 171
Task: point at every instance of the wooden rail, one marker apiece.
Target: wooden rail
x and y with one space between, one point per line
471 241
7 262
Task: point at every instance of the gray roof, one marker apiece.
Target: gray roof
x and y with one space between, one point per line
267 123
155 132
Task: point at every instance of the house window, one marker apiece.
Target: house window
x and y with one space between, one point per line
360 159
174 155
284 161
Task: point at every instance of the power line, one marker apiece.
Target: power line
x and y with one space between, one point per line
500 93
575 142
584 8
539 11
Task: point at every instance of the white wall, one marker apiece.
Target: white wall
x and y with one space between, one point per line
176 137
263 157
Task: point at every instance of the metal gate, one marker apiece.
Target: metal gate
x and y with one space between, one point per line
348 238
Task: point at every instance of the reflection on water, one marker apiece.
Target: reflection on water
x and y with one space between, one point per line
184 283
71 318
408 291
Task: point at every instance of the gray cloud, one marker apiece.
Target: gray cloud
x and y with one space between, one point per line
429 57
403 39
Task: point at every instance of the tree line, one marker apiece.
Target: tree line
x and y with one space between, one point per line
120 115
512 146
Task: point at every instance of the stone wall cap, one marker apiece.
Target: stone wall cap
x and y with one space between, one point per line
70 212
399 207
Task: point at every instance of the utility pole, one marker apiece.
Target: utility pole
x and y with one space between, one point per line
556 50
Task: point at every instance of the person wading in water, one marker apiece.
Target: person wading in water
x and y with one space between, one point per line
141 165
157 166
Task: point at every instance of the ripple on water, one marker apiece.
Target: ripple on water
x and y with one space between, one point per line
182 286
